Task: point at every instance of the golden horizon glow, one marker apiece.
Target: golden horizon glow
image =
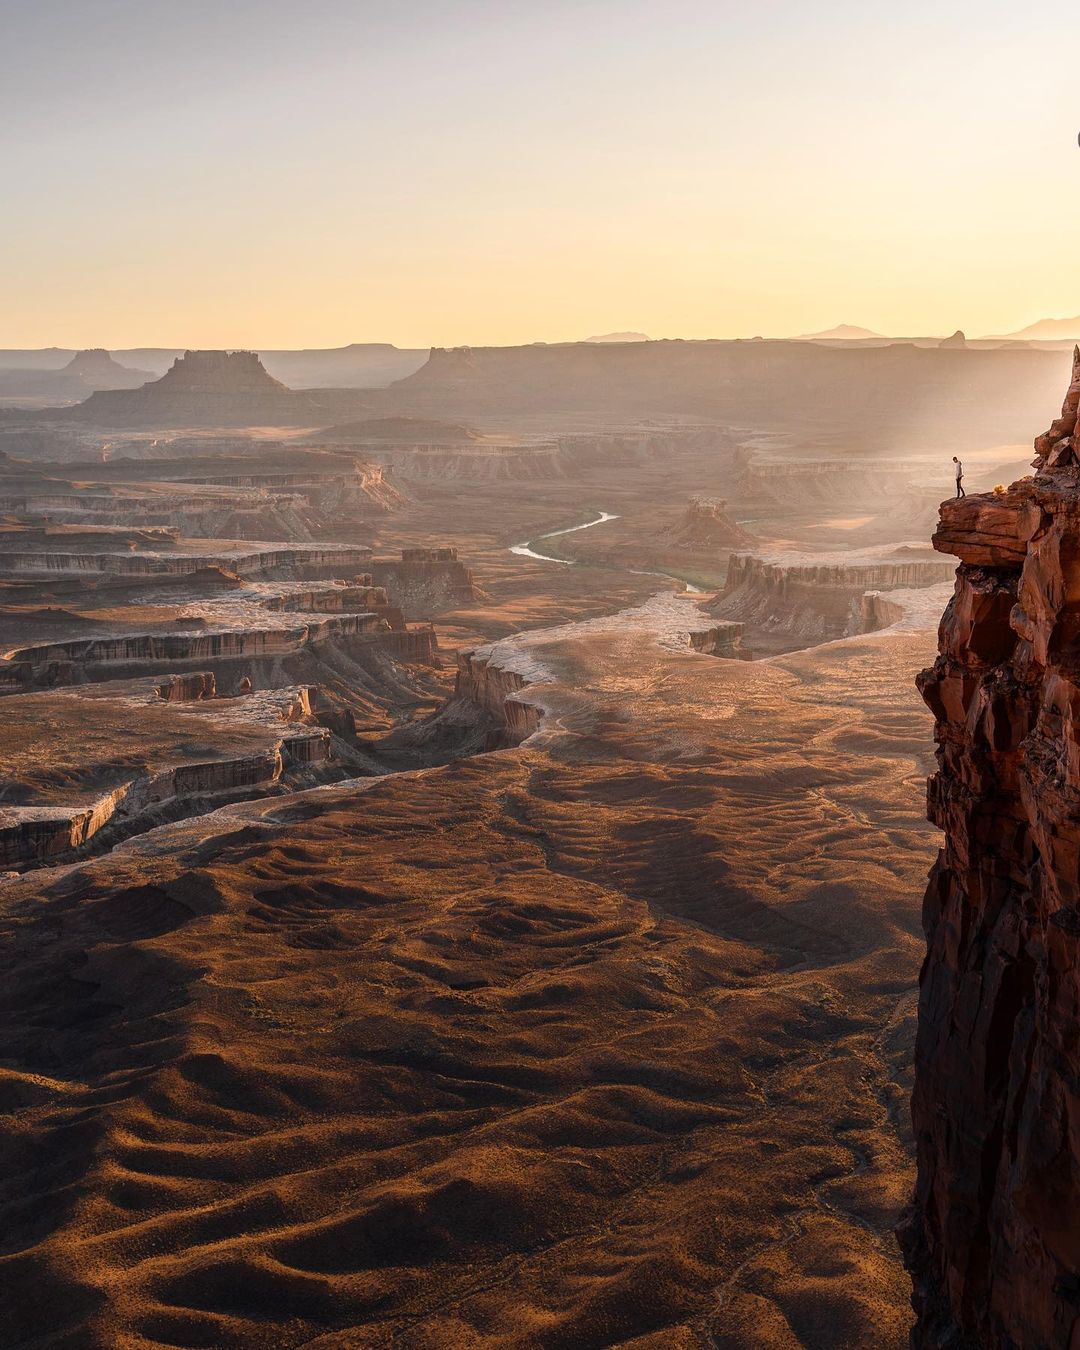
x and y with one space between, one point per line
482 174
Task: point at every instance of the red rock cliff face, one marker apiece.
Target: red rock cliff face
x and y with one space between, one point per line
993 1239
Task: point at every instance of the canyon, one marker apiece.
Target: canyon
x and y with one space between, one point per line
458 867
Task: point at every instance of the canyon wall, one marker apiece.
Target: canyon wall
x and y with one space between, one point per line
992 1239
814 602
493 689
197 646
720 639
311 563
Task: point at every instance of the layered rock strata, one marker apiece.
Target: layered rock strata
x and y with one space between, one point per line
720 639
306 562
272 738
800 602
992 1240
97 658
494 689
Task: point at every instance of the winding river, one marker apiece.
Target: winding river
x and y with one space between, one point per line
526 550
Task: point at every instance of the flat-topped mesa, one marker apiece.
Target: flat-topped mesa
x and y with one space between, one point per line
991 1241
95 363
211 388
207 372
29 663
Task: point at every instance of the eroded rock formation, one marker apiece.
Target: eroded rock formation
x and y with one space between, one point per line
797 600
720 639
993 1241
426 581
493 688
706 524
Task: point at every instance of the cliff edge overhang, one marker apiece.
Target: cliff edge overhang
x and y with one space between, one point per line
991 1239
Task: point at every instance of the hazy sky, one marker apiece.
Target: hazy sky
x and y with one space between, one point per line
314 172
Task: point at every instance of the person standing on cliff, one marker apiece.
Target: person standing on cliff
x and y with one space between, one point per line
959 477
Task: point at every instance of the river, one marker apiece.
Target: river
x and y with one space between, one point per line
526 550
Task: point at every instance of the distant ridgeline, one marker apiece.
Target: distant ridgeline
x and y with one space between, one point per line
212 388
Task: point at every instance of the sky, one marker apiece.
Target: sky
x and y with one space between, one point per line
270 173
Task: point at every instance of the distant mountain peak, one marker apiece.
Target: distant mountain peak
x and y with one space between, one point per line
93 361
844 332
1048 330
619 337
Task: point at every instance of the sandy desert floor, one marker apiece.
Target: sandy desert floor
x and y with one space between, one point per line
599 1041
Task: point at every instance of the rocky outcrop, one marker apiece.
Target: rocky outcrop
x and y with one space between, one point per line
992 1240
986 530
706 525
720 639
190 688
426 581
1057 448
494 689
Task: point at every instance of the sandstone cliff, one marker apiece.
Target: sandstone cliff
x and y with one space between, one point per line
993 1241
796 600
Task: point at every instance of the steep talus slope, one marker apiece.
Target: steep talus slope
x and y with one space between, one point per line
993 1240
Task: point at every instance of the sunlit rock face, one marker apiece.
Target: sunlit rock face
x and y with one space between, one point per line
993 1241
